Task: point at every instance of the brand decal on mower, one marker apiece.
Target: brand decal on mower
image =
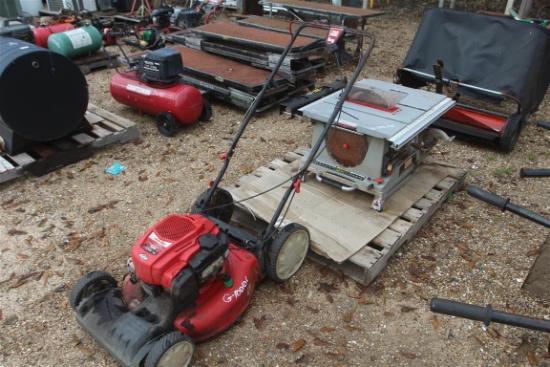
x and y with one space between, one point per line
143 257
229 297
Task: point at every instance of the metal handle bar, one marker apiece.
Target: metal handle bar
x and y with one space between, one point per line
251 110
335 183
487 314
504 204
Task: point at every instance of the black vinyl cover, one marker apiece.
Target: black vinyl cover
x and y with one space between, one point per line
496 53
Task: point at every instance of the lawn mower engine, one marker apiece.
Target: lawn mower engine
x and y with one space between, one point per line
185 283
153 86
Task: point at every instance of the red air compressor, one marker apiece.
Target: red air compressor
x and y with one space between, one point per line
152 86
42 33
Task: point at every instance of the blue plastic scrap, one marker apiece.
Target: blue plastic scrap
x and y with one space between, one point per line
116 168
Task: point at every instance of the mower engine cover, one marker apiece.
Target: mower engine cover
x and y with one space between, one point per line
179 242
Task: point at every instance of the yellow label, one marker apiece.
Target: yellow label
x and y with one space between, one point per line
408 163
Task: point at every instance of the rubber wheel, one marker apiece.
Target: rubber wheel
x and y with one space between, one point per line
89 284
510 134
172 350
167 124
206 113
221 205
287 252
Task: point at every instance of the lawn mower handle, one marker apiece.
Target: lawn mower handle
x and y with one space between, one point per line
524 172
486 314
251 110
504 204
543 124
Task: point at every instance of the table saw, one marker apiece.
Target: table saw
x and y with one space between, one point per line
380 137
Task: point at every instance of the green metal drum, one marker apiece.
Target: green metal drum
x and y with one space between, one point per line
77 42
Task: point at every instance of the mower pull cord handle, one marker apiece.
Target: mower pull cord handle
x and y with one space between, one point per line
505 204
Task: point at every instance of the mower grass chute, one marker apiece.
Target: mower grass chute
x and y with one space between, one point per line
191 276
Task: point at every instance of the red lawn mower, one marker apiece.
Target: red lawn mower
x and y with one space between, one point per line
191 276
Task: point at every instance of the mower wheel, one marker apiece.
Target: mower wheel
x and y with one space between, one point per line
221 205
172 350
89 284
510 133
206 113
167 124
287 252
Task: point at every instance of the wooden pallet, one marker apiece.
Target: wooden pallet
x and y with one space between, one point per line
98 60
107 128
346 233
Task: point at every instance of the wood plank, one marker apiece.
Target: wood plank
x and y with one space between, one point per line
387 238
22 159
5 165
423 204
346 233
101 132
83 138
331 214
413 215
110 116
92 118
112 126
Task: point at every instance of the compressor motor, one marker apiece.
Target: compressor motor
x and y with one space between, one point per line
161 66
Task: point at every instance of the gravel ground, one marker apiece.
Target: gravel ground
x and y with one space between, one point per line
57 227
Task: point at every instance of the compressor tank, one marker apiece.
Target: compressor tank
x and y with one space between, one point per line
25 116
77 42
41 34
183 101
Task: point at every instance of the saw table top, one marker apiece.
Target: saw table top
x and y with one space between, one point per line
411 112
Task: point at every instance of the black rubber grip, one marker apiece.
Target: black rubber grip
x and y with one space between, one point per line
487 315
524 172
544 124
463 310
487 197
